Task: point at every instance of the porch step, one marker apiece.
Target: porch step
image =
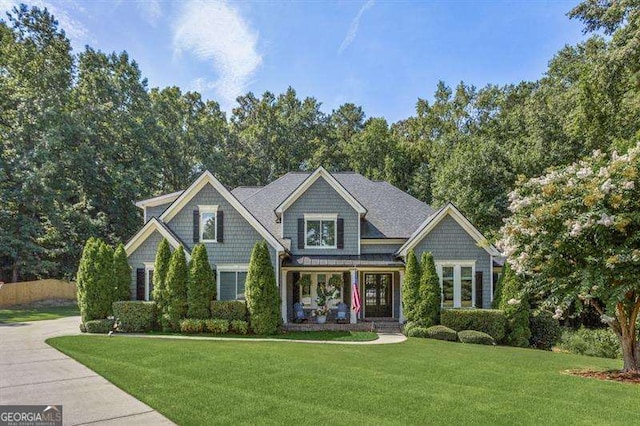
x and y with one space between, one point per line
387 326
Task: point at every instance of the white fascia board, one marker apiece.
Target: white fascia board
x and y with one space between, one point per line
147 230
313 177
430 223
207 178
159 200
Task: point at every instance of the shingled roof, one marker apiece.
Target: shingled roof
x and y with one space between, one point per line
391 213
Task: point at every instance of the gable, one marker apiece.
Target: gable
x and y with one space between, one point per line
208 180
157 230
449 211
321 173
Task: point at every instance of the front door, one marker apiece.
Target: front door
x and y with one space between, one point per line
377 295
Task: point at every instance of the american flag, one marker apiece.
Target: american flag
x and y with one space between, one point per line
355 294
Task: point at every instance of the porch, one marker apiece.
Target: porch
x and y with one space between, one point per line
378 280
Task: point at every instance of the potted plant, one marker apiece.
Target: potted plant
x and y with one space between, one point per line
325 294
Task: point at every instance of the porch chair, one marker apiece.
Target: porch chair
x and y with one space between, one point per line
298 313
341 315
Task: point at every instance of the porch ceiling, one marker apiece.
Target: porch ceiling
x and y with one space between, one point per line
343 260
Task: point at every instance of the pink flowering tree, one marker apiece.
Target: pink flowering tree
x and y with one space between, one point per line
575 235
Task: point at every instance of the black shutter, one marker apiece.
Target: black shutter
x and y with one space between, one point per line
346 288
340 244
196 226
219 226
140 284
479 289
300 234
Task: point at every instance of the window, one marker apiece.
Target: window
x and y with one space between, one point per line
320 231
305 291
447 286
309 289
148 281
208 224
458 284
231 282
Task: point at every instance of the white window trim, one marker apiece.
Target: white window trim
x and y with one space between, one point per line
321 217
457 281
204 210
147 285
231 267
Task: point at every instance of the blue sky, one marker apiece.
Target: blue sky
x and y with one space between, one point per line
383 55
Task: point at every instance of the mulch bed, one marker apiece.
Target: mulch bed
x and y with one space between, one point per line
612 375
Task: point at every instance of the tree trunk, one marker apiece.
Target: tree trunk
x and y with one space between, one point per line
625 328
15 272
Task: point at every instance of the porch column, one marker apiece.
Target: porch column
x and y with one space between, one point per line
352 318
401 316
283 295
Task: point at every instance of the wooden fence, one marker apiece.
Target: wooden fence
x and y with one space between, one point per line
33 291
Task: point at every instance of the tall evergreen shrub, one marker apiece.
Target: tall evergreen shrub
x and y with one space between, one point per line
160 269
261 291
202 284
95 280
427 311
121 275
86 277
515 304
176 282
410 287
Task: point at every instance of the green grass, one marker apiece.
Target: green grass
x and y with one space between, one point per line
345 336
24 314
417 382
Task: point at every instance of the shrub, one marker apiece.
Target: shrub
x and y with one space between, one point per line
475 337
441 332
490 321
417 331
135 316
408 326
192 326
545 330
229 310
95 293
216 326
101 326
239 327
263 299
121 275
427 308
83 329
202 284
176 303
410 287
160 269
515 306
600 342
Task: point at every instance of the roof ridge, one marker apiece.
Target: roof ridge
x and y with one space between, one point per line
266 186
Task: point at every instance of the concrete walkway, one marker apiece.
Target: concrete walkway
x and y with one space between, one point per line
383 339
32 372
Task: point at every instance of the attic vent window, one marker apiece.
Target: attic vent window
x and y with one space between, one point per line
208 225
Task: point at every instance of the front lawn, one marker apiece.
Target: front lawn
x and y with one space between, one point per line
24 314
345 336
416 382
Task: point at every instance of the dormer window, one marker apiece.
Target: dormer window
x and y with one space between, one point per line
208 225
321 231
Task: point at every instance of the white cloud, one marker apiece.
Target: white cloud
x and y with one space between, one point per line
151 11
353 28
74 29
216 32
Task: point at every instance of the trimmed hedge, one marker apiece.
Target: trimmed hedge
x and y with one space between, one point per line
192 326
216 326
475 337
490 321
417 331
233 310
408 326
239 327
100 326
135 316
545 330
601 342
440 332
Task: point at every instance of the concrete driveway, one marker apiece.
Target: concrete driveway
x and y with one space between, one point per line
32 372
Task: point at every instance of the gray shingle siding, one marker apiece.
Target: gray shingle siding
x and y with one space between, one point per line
379 248
239 235
449 241
321 198
146 252
156 211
